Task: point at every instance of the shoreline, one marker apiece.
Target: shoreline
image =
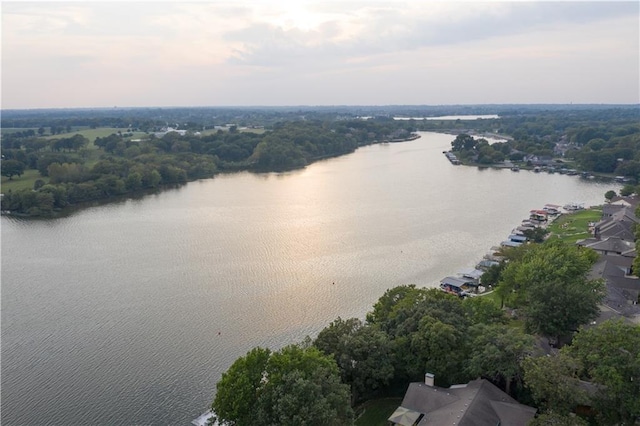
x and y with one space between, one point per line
139 194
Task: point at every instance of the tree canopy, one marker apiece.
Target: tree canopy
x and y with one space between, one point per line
294 386
549 283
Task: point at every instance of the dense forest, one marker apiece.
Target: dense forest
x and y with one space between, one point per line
155 147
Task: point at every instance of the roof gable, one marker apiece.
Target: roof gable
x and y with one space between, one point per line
477 403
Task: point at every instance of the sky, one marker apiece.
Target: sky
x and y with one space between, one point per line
297 52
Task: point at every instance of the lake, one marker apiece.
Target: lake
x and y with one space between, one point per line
452 117
128 313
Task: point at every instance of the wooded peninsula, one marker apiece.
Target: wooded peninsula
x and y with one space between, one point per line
53 160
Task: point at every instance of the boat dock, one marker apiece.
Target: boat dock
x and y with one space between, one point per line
469 283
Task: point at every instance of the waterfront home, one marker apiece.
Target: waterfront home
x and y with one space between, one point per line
486 264
510 243
552 209
538 215
614 246
478 402
456 285
517 238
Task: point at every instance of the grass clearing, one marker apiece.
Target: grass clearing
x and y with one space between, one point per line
572 227
25 181
92 134
377 411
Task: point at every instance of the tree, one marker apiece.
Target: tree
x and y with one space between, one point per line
237 389
609 195
627 190
296 385
536 235
440 349
551 418
482 310
554 382
363 354
498 353
610 357
463 141
550 284
12 168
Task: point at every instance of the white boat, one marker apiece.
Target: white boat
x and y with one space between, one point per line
204 418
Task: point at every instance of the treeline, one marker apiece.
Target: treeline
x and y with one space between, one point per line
413 330
69 174
607 144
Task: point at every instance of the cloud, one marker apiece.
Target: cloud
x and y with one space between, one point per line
304 52
383 28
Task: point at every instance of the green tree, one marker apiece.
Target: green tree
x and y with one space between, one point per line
238 388
363 354
554 382
482 310
551 418
536 235
609 194
498 353
550 284
11 168
440 349
610 357
296 385
627 190
463 141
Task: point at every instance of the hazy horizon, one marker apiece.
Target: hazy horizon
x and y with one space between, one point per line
318 54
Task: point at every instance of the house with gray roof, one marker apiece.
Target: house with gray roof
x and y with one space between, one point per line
476 403
610 246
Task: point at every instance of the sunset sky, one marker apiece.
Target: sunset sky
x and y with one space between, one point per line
228 53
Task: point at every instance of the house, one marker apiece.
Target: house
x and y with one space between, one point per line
631 201
456 285
517 238
610 246
552 209
623 289
510 243
486 264
478 402
538 215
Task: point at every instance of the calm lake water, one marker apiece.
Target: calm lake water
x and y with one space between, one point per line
451 117
129 313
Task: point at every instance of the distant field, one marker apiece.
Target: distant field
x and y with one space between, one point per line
241 130
25 181
92 134
574 226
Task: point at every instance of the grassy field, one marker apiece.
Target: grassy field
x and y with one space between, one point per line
574 226
92 134
25 181
377 411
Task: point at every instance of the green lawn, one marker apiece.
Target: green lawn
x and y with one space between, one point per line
574 226
25 181
377 411
92 134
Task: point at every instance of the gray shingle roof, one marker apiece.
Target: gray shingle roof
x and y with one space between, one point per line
477 403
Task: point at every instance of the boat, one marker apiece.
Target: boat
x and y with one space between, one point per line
203 419
515 169
571 207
